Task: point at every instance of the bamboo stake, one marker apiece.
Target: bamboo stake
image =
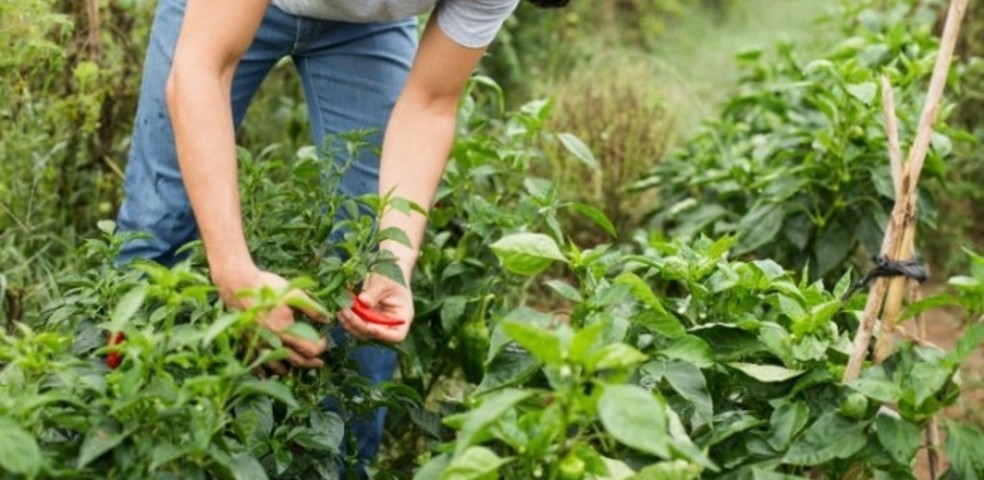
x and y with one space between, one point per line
933 450
917 157
892 133
900 232
95 27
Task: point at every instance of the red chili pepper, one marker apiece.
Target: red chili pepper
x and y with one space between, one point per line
372 316
113 357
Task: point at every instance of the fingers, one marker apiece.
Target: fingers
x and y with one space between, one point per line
276 367
303 347
365 331
301 361
280 319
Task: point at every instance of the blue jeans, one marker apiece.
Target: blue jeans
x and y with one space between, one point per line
352 74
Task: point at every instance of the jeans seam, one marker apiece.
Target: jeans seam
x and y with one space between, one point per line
297 34
313 90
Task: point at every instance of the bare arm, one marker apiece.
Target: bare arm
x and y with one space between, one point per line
214 36
415 150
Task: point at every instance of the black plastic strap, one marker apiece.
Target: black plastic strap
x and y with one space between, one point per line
885 267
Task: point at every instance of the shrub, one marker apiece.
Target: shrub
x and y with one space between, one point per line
797 165
627 129
676 362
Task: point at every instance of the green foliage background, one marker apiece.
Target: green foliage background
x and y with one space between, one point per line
646 110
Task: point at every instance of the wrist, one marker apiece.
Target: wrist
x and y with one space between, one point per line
406 257
232 274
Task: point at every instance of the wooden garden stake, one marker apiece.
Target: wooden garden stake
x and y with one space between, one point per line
900 231
94 31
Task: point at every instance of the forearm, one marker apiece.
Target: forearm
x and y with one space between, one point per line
415 150
200 111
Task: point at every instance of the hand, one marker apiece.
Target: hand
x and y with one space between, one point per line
387 297
300 353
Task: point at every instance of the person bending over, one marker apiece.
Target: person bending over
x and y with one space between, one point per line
361 68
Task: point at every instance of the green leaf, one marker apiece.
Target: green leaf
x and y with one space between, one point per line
127 307
433 468
831 436
669 470
758 474
579 150
476 463
246 467
965 450
640 290
787 421
791 308
687 380
397 235
490 411
616 470
303 331
391 271
635 417
661 322
102 438
544 344
164 453
690 349
778 341
527 253
106 226
877 389
586 340
21 454
270 388
899 437
510 367
758 227
616 355
865 92
218 326
596 216
971 339
306 304
832 248
452 311
929 303
926 379
819 316
842 285
565 290
766 373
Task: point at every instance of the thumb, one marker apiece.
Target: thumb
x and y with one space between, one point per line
372 294
304 303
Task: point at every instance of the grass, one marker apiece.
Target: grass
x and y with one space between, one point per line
698 56
694 65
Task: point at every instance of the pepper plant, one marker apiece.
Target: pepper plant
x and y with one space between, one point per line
796 164
675 361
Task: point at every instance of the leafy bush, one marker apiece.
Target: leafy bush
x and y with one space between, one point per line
185 402
796 165
679 363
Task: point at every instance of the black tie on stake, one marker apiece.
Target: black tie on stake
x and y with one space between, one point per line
886 267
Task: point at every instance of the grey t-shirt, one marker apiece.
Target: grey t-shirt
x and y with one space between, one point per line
471 23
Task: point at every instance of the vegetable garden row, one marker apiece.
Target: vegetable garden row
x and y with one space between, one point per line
678 351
